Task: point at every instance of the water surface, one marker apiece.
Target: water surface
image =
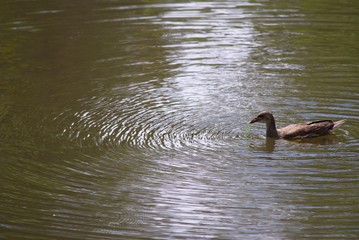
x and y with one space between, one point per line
129 119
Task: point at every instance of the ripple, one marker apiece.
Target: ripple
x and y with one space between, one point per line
147 120
150 137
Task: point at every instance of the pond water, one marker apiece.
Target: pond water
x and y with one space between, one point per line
129 119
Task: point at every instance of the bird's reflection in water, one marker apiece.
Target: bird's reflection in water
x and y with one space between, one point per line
270 144
265 144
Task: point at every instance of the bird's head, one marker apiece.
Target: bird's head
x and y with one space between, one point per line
263 117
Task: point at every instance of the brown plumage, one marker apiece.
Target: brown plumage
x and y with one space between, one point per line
297 131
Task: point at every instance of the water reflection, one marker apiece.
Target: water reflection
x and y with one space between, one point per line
269 144
129 120
169 111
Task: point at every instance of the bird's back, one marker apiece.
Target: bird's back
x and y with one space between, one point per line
306 130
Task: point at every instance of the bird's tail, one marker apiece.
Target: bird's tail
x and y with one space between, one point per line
337 124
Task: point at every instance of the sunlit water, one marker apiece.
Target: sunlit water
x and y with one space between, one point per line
122 121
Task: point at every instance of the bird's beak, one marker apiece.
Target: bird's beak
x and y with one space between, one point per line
253 120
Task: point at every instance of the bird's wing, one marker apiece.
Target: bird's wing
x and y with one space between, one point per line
306 130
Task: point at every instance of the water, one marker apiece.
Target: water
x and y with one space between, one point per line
129 120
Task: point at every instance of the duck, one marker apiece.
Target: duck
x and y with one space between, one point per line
296 131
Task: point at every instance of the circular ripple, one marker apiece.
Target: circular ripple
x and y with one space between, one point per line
146 120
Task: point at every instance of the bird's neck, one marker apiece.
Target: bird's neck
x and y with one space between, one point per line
271 128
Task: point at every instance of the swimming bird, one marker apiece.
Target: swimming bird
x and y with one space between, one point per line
296 131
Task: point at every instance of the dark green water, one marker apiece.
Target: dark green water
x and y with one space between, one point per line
129 119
